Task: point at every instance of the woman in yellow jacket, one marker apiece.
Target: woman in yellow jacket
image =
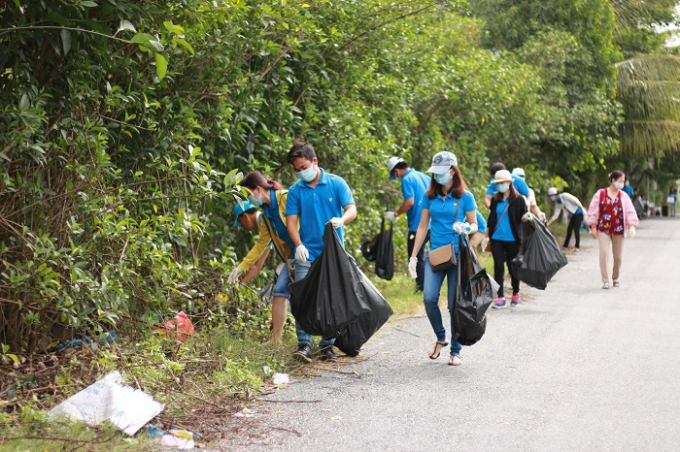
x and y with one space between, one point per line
269 195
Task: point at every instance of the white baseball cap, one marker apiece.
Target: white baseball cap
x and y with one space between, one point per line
552 191
442 162
391 163
518 172
502 176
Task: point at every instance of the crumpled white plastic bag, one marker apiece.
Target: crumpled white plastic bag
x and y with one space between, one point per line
127 408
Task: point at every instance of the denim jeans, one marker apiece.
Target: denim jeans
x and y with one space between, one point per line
431 290
301 270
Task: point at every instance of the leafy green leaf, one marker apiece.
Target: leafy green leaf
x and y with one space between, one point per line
161 66
89 4
184 44
126 25
66 41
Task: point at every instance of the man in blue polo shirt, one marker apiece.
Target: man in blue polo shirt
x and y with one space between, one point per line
414 184
315 199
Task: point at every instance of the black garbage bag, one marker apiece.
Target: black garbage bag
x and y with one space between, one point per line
370 249
475 292
334 293
357 334
384 261
540 255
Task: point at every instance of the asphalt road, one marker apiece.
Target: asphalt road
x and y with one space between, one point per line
573 368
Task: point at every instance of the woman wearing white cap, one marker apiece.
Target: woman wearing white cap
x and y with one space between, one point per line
506 212
449 210
572 205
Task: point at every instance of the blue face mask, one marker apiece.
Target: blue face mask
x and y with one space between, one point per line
502 187
254 201
443 179
307 175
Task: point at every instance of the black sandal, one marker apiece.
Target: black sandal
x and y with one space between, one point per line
438 349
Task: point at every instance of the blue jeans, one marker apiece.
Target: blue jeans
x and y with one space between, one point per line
303 337
431 290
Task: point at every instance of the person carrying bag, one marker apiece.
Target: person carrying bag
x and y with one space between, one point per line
448 210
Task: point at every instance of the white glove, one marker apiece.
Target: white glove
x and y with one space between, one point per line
412 264
391 216
527 216
234 275
462 228
542 217
631 232
301 253
337 222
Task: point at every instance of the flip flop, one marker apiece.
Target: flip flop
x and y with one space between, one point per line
438 349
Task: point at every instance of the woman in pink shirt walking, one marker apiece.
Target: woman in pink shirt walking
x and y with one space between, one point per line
612 217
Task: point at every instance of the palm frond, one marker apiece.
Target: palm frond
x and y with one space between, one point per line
650 138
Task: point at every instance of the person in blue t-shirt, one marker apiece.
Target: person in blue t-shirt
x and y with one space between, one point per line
448 210
315 199
506 212
413 186
519 184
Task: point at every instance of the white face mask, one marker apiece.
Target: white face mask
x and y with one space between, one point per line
618 185
503 187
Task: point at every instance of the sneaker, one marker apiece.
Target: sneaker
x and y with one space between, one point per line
499 303
327 354
616 283
515 300
303 353
605 286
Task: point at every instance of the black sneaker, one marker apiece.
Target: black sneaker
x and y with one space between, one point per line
327 354
303 353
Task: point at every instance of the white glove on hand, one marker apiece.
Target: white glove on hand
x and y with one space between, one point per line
301 253
391 216
542 217
631 232
234 275
527 216
337 222
412 263
462 228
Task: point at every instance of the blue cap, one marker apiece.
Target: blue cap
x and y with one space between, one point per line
239 208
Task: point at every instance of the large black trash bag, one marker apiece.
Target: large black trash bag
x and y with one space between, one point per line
475 292
540 256
357 334
333 295
384 261
370 249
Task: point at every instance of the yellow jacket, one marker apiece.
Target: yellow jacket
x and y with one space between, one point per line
264 238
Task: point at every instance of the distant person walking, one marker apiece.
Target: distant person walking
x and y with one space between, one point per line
611 217
448 210
531 197
507 209
572 205
673 199
413 186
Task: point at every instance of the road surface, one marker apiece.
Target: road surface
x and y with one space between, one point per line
573 368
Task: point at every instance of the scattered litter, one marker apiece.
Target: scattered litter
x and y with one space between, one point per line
181 325
154 431
281 379
336 418
267 370
181 439
109 336
126 408
244 413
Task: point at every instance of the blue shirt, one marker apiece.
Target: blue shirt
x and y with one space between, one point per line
316 206
517 182
442 213
629 190
413 186
503 231
481 223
